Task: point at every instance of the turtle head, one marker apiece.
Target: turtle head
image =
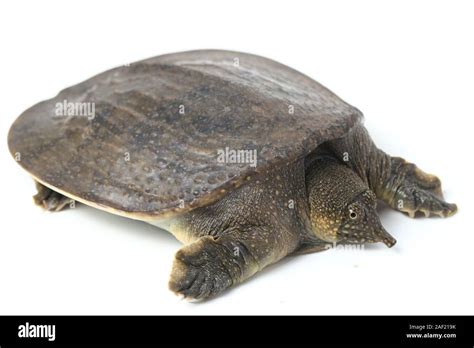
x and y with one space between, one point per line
342 207
360 223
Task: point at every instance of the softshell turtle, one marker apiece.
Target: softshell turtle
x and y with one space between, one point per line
243 159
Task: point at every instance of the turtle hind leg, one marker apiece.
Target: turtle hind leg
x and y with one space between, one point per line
51 200
411 190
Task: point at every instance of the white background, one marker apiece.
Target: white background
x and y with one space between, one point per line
408 65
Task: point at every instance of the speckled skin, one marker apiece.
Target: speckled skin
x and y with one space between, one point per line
252 227
342 206
335 190
316 183
400 184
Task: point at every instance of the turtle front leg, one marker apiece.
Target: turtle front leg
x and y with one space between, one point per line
50 200
410 190
210 265
402 185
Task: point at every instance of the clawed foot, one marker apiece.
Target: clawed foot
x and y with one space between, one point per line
421 192
200 270
49 199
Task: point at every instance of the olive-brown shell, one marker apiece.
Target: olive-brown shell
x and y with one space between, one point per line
154 143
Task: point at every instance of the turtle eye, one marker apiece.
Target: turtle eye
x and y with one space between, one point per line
355 212
352 214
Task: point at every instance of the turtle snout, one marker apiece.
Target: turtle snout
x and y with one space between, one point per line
386 238
389 241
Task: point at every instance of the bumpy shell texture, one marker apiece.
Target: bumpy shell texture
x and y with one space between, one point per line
156 137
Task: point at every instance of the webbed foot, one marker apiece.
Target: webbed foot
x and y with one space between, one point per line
416 191
51 200
201 269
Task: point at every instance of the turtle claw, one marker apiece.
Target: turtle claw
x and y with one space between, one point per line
448 211
427 202
411 213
